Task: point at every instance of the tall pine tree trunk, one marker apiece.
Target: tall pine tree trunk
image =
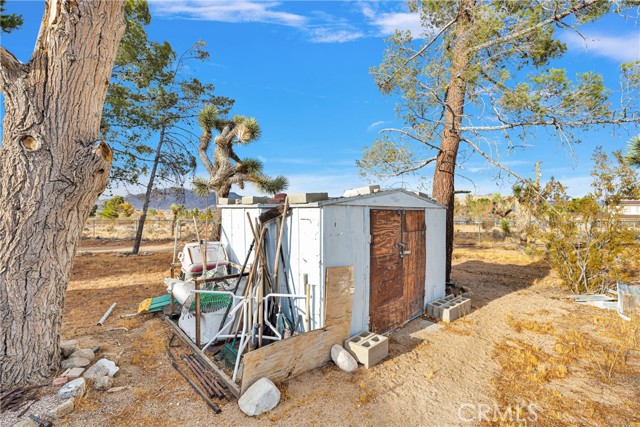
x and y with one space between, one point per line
444 175
147 195
52 170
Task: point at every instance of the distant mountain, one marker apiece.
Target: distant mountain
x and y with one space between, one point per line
164 198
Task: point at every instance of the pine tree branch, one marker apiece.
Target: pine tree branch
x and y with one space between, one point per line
405 133
555 123
525 31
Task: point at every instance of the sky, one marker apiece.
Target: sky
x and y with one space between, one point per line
302 69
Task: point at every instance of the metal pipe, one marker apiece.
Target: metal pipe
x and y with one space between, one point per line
104 317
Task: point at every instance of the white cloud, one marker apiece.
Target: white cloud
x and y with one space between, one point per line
229 11
375 125
333 35
622 48
388 23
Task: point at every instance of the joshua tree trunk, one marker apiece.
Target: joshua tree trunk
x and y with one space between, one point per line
52 170
147 195
444 175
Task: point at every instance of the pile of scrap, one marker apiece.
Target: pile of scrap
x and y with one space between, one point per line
625 300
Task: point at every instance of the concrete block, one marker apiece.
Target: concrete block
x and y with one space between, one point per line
368 348
307 197
253 200
361 191
449 308
461 307
225 201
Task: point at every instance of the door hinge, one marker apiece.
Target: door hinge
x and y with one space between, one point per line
370 239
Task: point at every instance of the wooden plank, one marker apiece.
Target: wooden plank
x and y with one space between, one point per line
339 289
414 263
233 387
296 355
386 290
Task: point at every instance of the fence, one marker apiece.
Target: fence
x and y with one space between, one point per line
154 229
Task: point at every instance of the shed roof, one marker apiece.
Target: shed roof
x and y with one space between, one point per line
394 198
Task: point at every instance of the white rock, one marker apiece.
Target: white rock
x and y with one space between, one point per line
74 362
68 347
73 388
343 358
94 371
84 353
64 409
262 396
103 383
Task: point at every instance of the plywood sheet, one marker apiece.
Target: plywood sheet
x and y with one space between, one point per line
294 356
414 263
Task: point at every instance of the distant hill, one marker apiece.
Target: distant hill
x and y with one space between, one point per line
164 198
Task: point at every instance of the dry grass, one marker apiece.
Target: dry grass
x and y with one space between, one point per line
566 382
519 325
150 346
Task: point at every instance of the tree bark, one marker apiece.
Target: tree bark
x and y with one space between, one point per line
444 175
52 169
147 195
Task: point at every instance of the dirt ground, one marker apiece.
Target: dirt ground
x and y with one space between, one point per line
524 356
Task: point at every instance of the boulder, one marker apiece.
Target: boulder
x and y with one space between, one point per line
75 362
99 366
68 347
103 383
62 410
84 353
73 373
262 396
75 388
343 359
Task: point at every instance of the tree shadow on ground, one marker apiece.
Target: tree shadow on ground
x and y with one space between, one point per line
487 281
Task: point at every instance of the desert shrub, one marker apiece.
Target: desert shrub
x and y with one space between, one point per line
505 226
586 243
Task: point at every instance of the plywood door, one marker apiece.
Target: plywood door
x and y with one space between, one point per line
414 262
386 293
397 268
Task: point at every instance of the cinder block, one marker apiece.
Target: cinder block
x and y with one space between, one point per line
252 200
225 201
461 308
368 349
449 308
307 197
361 191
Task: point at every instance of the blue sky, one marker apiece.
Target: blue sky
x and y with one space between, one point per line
302 69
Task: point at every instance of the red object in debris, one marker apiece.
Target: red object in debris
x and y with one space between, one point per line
60 381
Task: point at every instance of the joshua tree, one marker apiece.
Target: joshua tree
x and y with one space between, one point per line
633 155
227 168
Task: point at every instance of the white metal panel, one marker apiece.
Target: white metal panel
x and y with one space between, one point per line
436 254
346 242
236 234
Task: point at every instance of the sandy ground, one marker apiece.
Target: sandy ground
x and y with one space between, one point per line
436 375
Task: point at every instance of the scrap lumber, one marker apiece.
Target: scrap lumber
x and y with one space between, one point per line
193 385
233 388
293 356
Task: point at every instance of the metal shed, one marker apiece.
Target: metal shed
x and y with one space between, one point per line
395 241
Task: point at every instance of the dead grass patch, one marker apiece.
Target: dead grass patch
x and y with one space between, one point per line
152 343
519 325
586 357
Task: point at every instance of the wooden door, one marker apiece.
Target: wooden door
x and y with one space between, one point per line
398 262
